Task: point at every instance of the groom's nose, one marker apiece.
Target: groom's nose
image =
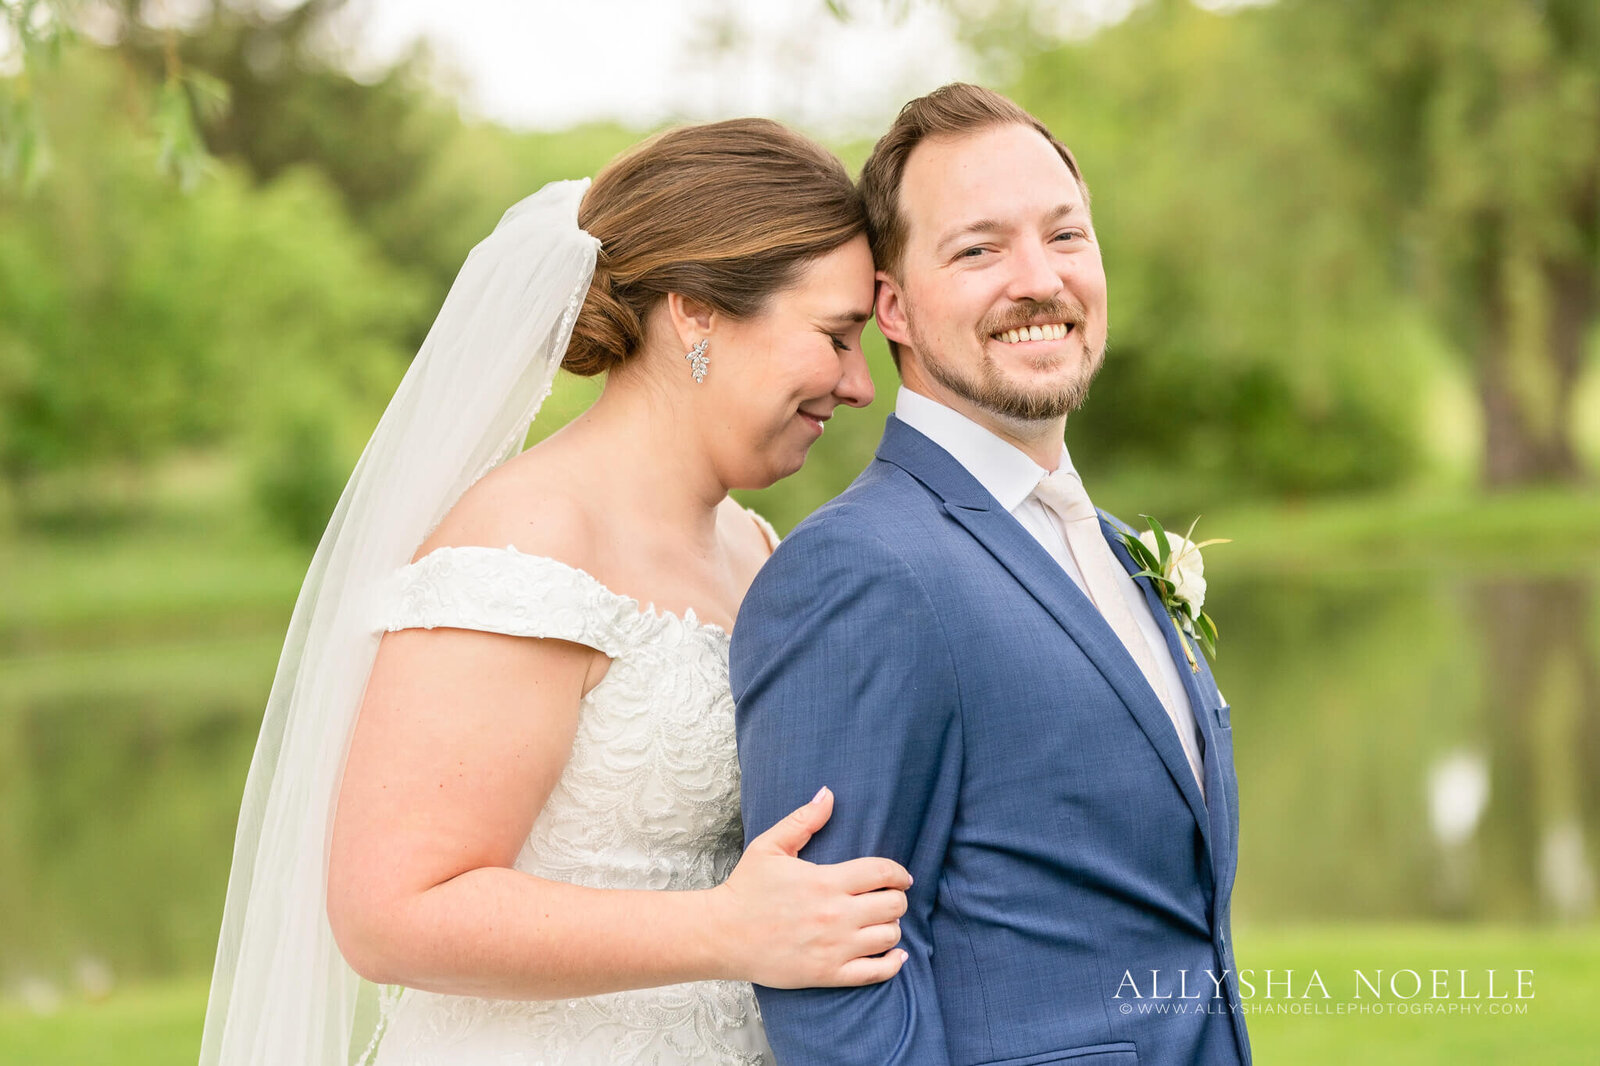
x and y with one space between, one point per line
1033 273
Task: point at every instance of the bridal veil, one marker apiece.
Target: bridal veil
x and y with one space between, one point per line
282 995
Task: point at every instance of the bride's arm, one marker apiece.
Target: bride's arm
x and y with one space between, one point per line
460 740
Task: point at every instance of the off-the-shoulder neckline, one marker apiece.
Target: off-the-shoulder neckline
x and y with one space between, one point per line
650 613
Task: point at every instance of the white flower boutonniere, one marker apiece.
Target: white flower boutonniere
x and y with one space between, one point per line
1174 567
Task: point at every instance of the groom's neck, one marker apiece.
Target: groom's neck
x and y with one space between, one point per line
1038 440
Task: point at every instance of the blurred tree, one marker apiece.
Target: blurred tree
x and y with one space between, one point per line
293 104
134 322
341 211
1480 121
1304 191
423 184
1252 338
35 32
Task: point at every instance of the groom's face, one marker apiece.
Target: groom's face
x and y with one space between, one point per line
1000 300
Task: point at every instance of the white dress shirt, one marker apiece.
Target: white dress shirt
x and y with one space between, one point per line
1010 477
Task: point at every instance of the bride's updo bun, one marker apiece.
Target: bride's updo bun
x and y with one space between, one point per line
726 213
607 330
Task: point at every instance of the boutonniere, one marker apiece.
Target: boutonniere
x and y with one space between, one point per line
1174 567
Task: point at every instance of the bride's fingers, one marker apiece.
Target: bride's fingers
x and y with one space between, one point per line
796 829
871 971
874 908
876 939
871 873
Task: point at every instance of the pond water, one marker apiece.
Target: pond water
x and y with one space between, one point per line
1410 746
1414 746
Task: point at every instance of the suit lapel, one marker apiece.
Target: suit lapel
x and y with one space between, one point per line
968 503
1204 700
1226 819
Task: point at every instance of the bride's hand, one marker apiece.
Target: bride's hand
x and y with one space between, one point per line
789 923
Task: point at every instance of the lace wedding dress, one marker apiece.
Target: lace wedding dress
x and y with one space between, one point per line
649 799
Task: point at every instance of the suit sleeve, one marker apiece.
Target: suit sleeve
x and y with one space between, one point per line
843 678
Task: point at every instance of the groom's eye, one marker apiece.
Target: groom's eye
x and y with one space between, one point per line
971 253
838 342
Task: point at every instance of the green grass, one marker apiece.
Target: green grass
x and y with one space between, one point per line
144 580
193 671
1531 531
153 1025
1560 1026
160 1024
186 616
181 617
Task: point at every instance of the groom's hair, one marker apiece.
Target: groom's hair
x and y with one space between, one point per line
952 110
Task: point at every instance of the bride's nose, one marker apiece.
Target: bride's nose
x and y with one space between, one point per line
855 381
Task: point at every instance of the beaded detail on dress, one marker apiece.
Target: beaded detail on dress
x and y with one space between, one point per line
649 799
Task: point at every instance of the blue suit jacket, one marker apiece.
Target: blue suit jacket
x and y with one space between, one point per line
912 646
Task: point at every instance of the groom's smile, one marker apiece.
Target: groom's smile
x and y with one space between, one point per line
1049 334
1047 331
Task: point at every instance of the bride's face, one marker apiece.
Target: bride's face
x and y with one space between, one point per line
775 379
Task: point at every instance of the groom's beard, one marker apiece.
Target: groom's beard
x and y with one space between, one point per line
988 388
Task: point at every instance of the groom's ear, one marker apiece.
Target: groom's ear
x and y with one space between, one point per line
890 309
691 319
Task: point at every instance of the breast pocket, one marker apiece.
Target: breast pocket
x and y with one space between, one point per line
1124 1053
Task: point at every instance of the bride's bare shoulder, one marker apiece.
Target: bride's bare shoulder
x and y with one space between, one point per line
531 503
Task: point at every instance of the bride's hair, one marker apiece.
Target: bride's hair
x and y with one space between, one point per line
725 213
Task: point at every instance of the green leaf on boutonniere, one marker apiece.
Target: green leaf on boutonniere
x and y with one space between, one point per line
1162 567
1208 633
1142 554
1163 546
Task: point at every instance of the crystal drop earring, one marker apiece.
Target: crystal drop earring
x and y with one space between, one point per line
698 360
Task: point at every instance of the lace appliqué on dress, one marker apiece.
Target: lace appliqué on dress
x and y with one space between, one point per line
649 799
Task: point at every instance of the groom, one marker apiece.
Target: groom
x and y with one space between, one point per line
956 647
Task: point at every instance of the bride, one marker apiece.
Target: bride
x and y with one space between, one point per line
497 768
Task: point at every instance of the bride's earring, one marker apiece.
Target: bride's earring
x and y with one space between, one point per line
698 360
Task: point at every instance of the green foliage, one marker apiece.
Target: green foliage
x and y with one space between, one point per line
24 149
1285 190
1280 193
39 30
1480 119
269 312
298 464
1253 337
134 322
183 154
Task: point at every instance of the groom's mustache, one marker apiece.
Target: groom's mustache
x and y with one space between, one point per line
1033 313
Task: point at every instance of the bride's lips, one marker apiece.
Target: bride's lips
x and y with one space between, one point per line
814 421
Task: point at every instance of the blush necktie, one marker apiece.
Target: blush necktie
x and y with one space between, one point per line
1063 494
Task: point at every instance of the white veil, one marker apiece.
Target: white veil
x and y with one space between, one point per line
282 995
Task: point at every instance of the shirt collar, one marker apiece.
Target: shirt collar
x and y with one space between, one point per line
999 466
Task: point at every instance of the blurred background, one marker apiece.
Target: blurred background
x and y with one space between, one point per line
1353 249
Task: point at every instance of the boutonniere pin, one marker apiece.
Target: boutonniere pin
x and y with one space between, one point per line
1174 567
